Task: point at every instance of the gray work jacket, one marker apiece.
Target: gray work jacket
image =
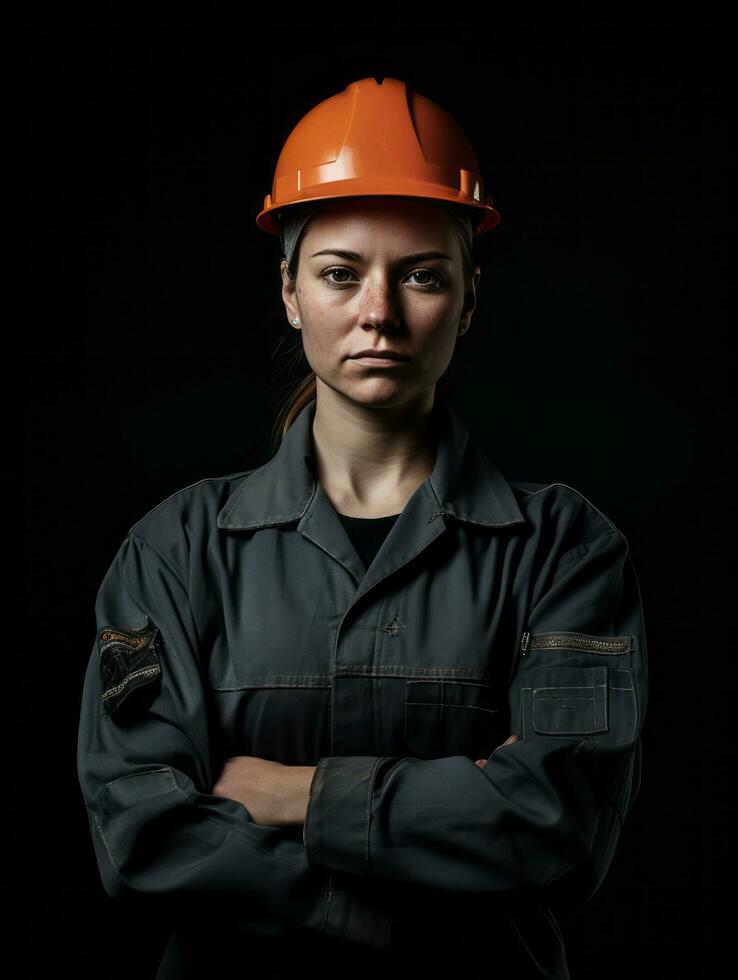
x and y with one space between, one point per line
237 618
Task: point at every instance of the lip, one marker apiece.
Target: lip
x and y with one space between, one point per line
378 356
380 362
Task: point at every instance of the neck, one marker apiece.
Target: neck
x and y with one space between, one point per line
370 460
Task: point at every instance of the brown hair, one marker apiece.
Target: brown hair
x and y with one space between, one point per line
305 391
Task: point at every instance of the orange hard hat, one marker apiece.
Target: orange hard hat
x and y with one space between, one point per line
378 138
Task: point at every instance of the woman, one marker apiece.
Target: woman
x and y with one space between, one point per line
369 703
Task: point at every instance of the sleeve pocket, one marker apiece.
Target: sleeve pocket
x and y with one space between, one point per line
152 828
579 701
565 700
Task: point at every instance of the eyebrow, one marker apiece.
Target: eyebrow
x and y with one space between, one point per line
358 257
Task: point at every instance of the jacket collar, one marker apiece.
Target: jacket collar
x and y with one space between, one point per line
464 482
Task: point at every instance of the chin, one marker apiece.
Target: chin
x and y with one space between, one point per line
384 399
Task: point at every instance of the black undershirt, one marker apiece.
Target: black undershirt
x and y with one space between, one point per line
368 533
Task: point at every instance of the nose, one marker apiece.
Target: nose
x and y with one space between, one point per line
378 303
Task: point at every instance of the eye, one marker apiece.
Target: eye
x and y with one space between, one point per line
435 283
329 272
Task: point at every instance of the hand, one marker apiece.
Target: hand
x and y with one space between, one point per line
509 741
274 794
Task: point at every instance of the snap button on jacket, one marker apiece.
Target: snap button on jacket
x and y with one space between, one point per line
237 618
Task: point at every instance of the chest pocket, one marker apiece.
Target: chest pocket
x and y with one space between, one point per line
452 717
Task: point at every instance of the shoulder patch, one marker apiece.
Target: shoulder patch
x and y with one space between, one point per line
130 667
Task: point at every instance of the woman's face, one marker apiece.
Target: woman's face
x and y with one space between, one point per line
383 296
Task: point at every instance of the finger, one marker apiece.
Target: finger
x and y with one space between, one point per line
510 740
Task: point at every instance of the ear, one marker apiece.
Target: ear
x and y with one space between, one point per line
470 301
288 294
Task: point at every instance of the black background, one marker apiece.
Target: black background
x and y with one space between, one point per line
158 352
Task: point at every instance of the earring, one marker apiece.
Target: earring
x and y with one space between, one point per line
295 321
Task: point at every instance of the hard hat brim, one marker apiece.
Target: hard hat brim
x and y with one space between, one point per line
490 217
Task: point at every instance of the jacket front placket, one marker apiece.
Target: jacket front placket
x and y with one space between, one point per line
356 675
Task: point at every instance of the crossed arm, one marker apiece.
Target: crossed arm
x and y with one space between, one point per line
276 795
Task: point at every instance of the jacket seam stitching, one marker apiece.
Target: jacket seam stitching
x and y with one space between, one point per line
328 903
586 546
106 845
165 561
370 794
206 479
579 494
175 573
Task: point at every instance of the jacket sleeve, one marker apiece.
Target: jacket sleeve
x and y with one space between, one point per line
546 812
146 768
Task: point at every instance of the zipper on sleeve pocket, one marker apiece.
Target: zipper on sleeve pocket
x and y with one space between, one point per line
569 640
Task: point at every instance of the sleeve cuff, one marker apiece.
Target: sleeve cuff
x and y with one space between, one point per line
336 828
